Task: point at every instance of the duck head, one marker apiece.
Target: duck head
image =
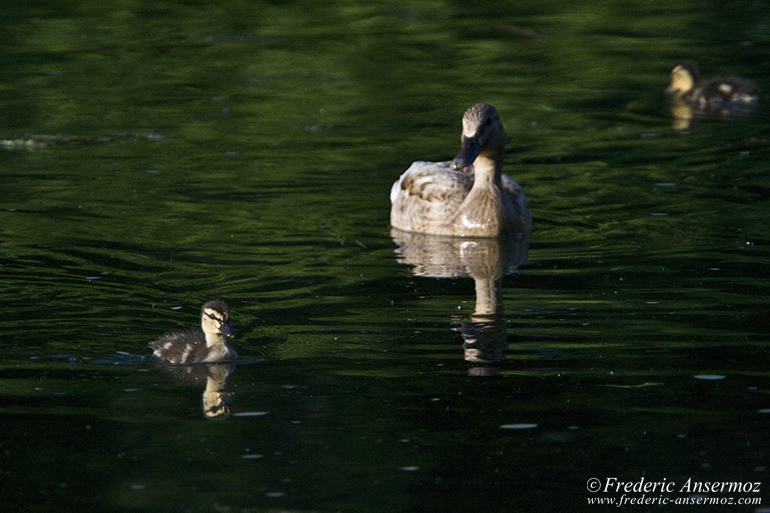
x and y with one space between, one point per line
683 78
215 318
483 134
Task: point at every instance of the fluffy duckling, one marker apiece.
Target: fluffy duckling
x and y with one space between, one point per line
209 344
720 93
467 197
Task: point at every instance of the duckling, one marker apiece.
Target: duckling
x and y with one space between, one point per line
467 196
716 94
200 346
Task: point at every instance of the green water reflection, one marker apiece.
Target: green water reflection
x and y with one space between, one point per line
246 151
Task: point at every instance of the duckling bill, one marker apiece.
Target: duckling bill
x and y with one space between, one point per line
209 344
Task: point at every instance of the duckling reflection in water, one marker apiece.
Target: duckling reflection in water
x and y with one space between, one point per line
209 344
467 197
216 399
725 97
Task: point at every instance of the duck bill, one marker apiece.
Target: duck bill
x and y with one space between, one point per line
468 153
227 329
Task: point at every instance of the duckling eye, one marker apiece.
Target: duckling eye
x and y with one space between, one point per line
489 121
214 317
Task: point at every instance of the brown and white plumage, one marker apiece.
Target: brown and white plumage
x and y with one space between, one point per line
715 94
209 344
468 196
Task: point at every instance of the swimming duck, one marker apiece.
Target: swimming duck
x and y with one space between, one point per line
720 93
209 344
467 196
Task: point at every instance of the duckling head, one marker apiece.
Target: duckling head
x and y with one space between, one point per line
483 134
683 78
215 319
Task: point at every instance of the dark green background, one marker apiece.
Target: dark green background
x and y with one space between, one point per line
245 150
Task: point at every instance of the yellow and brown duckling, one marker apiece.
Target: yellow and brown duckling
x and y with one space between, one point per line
715 94
209 344
468 196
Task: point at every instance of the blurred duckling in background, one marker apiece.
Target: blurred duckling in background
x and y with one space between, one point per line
209 344
467 197
723 94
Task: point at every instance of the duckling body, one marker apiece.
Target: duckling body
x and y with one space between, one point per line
209 344
716 94
468 196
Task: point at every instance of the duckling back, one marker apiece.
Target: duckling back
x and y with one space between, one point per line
181 348
725 93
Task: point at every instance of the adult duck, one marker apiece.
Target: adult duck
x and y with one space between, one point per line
468 196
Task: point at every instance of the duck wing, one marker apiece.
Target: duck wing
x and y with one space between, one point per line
427 196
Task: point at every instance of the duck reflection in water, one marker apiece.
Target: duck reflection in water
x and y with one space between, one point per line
216 399
487 261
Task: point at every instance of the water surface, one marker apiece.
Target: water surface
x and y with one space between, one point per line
246 151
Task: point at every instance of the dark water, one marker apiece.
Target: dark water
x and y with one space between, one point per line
160 155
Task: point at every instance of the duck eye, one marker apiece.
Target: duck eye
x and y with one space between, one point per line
489 121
